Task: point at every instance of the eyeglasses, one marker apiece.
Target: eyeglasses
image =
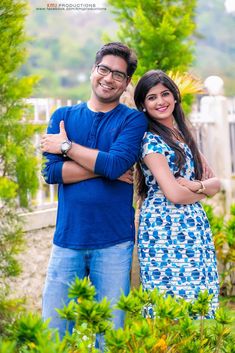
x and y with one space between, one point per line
116 75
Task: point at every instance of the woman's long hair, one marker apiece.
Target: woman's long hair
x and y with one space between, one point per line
147 81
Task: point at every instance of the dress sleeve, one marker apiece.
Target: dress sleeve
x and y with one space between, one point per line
152 144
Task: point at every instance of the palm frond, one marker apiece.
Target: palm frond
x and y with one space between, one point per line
187 83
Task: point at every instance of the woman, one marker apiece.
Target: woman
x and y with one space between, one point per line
175 246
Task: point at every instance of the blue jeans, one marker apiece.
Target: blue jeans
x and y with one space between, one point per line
107 268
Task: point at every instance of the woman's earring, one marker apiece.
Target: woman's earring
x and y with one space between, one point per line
175 101
144 110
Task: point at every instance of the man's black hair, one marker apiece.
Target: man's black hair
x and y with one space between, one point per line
121 50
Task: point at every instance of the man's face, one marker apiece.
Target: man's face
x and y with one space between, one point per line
107 89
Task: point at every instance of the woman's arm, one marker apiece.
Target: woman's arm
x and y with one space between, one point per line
176 193
212 185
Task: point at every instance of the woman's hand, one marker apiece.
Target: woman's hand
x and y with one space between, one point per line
192 185
207 171
173 190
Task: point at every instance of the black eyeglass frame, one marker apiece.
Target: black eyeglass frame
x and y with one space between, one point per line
112 71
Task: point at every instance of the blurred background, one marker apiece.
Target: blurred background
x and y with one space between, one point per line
63 44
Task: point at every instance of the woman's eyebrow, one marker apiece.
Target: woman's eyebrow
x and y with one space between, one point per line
155 94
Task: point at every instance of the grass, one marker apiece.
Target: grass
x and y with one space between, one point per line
229 304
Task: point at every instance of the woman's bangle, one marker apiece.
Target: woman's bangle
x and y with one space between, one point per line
201 189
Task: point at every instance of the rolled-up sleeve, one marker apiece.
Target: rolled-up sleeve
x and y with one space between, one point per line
124 152
52 170
53 163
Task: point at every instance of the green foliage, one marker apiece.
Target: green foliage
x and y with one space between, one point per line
18 162
90 317
27 329
161 34
232 209
10 310
223 230
81 289
201 306
7 347
11 243
31 334
171 329
8 188
159 31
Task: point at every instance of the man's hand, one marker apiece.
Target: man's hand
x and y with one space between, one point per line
127 177
51 143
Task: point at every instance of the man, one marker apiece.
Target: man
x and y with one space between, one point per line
89 149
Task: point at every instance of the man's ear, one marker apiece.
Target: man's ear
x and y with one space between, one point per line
128 81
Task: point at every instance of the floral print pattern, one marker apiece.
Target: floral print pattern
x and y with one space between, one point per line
175 246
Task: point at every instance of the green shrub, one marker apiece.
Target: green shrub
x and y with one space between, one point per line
18 161
223 230
172 330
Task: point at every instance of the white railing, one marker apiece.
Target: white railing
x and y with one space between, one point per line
42 110
231 118
208 131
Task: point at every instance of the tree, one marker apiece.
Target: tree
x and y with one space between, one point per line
159 31
18 162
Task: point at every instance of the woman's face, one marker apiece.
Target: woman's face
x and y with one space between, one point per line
160 104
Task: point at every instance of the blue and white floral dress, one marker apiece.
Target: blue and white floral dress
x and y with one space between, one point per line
175 246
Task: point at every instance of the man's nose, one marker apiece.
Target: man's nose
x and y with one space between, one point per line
109 77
